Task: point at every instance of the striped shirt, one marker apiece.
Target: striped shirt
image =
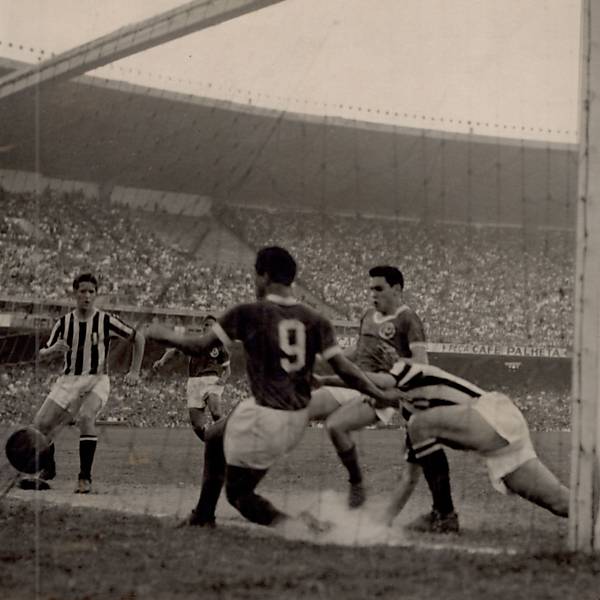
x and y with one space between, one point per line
426 387
88 341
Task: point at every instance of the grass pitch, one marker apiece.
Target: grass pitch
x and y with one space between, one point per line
120 542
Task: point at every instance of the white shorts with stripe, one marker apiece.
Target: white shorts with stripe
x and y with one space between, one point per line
349 396
71 392
256 436
507 420
199 388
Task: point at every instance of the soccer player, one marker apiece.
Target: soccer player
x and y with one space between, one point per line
83 336
281 339
207 375
388 330
445 409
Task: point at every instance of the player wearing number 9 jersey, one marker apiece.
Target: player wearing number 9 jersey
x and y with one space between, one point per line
281 340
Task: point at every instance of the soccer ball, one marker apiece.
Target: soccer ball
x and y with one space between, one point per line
27 450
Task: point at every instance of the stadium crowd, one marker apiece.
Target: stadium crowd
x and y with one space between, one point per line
159 400
468 283
45 239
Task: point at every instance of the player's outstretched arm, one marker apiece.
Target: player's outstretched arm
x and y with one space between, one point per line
384 381
355 378
404 489
191 343
168 355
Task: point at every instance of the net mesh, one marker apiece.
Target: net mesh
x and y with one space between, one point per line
166 197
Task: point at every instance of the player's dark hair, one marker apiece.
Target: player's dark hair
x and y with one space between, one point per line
85 277
392 275
277 263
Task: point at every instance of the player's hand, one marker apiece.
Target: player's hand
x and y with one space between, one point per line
60 346
132 378
157 365
391 397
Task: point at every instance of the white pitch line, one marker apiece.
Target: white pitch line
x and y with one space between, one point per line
354 528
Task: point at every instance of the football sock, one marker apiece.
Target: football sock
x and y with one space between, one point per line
49 459
437 474
349 459
200 432
213 477
87 449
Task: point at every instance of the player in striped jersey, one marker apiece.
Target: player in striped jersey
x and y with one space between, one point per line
83 336
389 330
207 375
443 409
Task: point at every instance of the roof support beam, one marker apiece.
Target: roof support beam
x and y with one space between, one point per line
128 40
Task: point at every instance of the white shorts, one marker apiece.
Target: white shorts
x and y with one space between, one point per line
198 389
348 396
71 392
256 436
506 419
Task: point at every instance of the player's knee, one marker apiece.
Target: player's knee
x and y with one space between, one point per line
87 424
235 494
417 429
43 424
335 429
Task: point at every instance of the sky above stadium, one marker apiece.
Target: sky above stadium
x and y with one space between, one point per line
505 68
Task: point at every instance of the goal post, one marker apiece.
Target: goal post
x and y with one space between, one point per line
584 521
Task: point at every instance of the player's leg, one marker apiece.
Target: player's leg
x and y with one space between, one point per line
88 440
240 485
255 438
536 483
323 402
350 417
50 419
459 425
213 477
198 421
196 394
442 517
213 402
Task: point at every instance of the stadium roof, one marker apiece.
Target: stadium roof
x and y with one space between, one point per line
113 133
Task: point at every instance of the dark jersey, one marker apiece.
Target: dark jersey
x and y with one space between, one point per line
383 339
88 341
212 362
281 339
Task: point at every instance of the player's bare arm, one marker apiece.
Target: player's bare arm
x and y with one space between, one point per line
358 380
190 344
59 347
139 344
168 355
384 381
